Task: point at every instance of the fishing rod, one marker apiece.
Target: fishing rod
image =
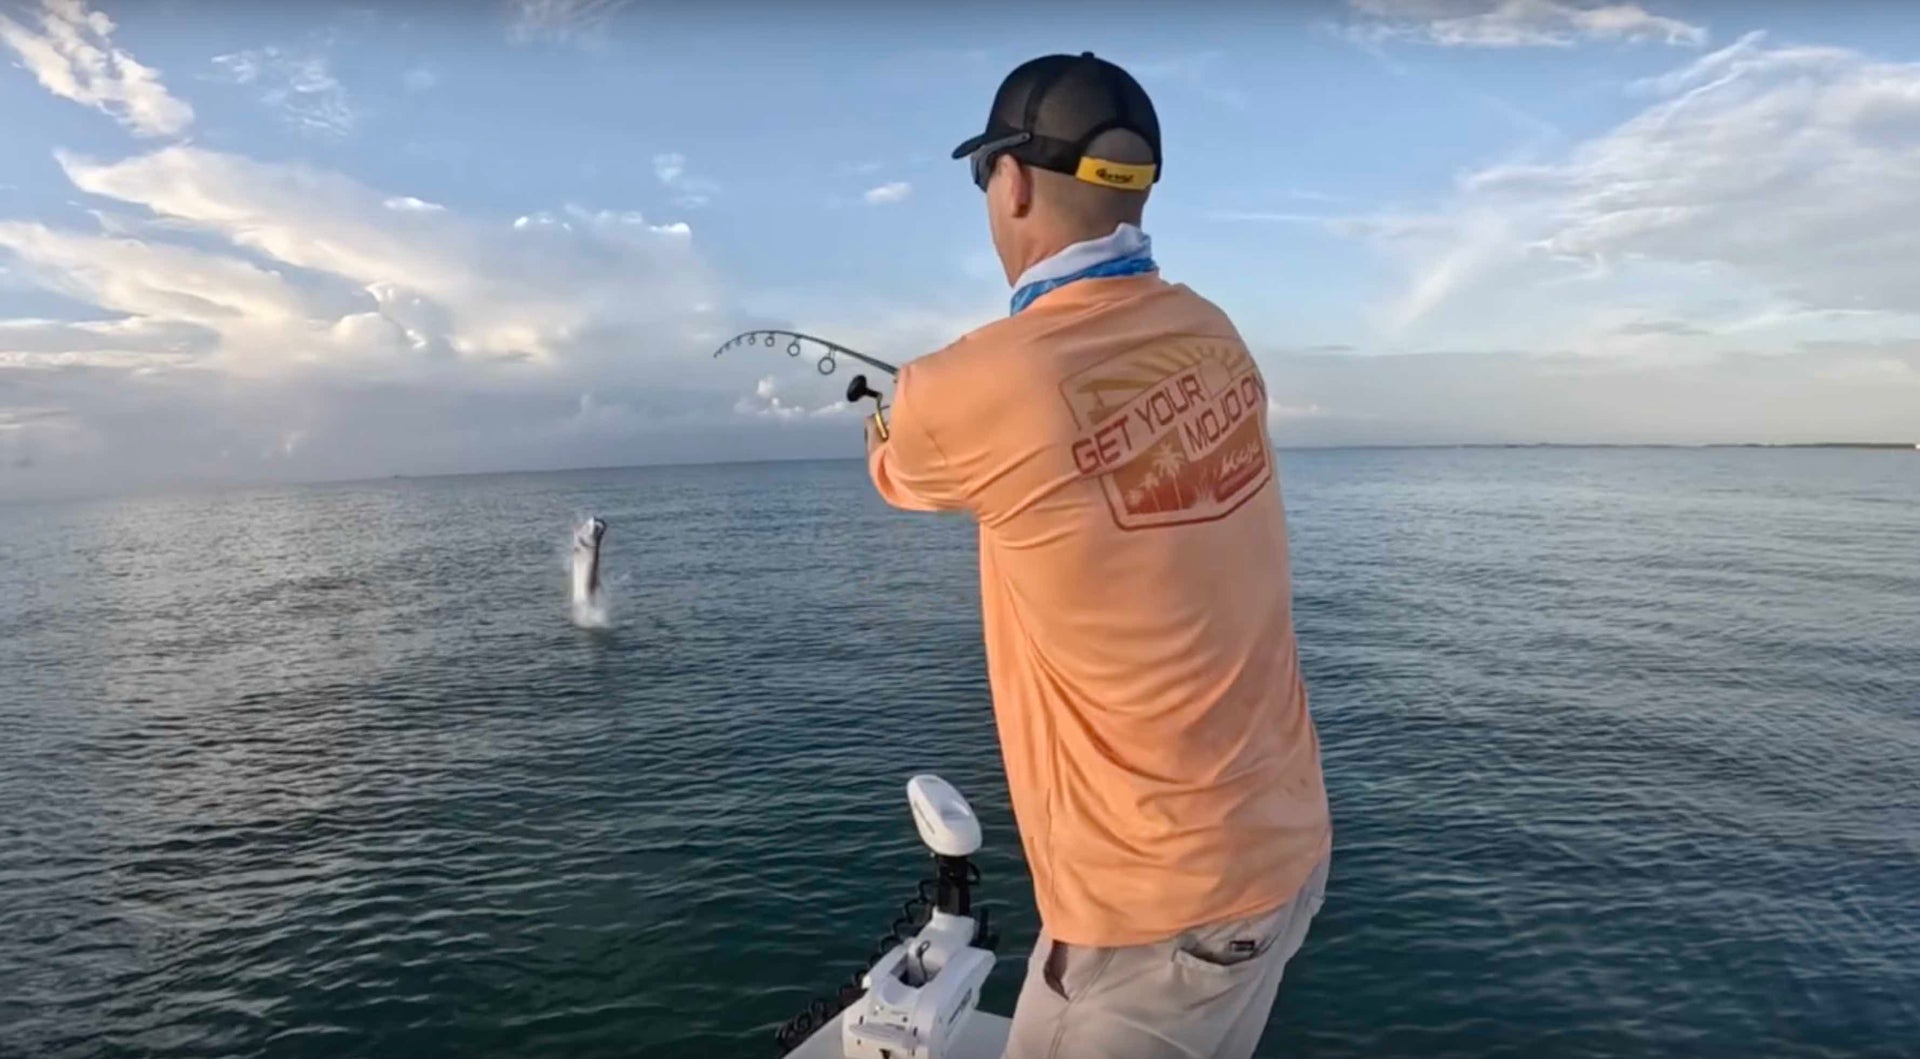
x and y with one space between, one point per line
825 364
857 388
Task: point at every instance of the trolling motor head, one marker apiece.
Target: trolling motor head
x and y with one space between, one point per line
949 828
945 820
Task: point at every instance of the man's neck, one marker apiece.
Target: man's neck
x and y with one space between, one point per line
1071 254
1054 242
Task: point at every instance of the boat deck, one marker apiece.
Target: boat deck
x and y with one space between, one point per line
983 1036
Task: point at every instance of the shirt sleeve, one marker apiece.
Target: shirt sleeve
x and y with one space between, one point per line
909 469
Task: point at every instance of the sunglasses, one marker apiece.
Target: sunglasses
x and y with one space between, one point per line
986 154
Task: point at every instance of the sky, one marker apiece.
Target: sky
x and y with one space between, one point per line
250 242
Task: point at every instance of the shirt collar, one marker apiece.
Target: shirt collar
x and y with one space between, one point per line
1125 241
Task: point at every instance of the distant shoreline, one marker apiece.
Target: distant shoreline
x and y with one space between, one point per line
1825 445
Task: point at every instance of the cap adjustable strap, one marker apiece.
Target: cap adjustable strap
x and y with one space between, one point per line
1122 175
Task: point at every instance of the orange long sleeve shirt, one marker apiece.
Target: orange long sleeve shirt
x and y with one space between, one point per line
1111 442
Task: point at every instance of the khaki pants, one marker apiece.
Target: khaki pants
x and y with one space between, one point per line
1205 994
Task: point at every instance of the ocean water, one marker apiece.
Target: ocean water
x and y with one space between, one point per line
1623 748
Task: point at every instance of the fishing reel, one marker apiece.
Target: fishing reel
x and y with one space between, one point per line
857 391
796 344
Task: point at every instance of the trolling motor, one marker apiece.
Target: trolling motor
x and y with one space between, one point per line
915 998
919 993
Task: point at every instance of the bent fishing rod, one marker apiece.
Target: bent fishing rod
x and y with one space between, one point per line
857 388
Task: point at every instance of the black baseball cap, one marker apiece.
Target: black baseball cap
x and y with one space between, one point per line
1049 109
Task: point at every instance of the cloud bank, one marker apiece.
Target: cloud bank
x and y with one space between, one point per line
1854 391
298 87
72 55
564 21
1762 189
1734 262
1515 23
332 300
266 319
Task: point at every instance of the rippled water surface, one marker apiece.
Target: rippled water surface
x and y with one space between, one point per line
1623 748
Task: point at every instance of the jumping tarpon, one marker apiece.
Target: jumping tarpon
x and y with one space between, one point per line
586 562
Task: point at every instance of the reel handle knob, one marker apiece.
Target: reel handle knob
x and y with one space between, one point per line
858 390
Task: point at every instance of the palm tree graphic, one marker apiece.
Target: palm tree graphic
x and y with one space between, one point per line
1149 486
1167 463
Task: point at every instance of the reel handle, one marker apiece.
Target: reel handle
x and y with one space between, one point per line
857 391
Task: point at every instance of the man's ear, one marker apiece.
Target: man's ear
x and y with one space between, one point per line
1020 183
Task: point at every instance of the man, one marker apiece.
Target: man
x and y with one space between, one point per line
1110 437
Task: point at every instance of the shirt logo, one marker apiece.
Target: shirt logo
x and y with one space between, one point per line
1174 430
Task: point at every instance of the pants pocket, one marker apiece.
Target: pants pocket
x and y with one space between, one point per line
1070 969
1229 946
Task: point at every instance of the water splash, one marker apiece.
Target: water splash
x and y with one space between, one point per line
594 613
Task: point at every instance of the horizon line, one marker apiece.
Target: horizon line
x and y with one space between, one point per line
188 486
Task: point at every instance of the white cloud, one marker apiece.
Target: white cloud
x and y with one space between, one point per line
561 20
298 87
669 167
132 342
284 321
410 204
897 191
1277 412
361 286
1515 23
571 216
690 192
73 57
162 283
421 79
103 428
766 401
1772 183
